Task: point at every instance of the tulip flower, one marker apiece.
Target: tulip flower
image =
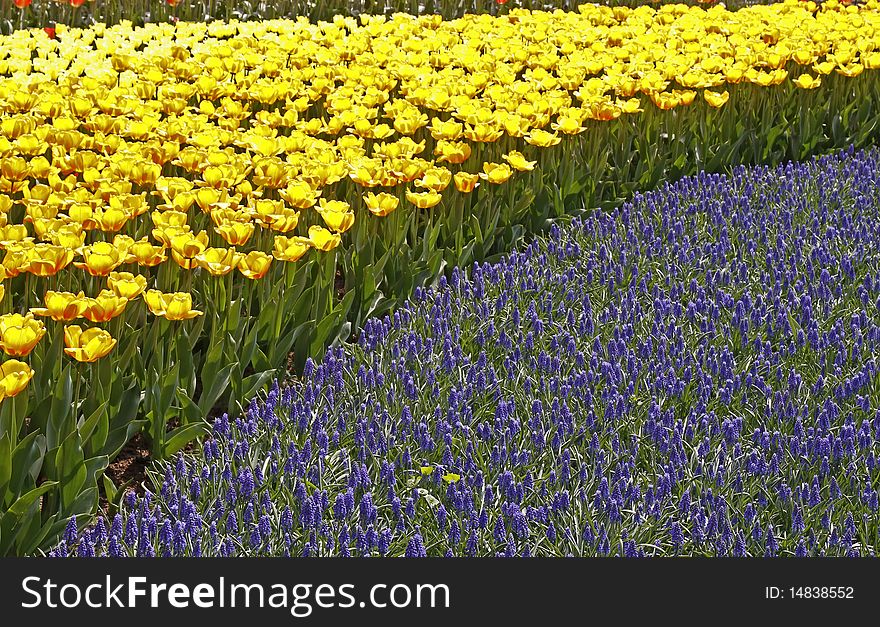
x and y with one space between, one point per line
290 248
300 195
173 306
423 200
87 346
106 306
496 172
322 239
380 204
101 258
805 81
111 219
48 259
255 264
448 130
62 306
236 233
19 334
518 161
14 378
465 182
218 261
336 215
283 222
126 285
436 179
715 99
145 253
541 138
186 247
169 218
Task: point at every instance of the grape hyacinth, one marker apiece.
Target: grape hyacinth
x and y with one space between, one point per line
693 373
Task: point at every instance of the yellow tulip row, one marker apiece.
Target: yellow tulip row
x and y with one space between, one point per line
207 147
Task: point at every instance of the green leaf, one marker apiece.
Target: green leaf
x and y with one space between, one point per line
110 488
87 428
5 466
213 389
251 384
27 461
58 427
70 469
24 502
127 411
181 436
190 411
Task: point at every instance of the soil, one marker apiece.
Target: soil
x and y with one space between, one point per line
130 466
339 283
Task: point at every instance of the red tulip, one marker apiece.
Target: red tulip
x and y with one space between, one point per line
21 3
50 30
77 3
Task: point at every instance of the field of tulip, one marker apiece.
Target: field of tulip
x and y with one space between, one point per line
189 210
83 13
694 373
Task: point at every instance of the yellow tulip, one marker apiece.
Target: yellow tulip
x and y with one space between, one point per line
805 81
423 200
715 99
14 378
101 258
290 248
218 261
300 195
465 182
541 138
568 125
322 239
87 346
173 305
111 220
168 218
448 130
145 253
106 306
186 247
381 204
336 215
283 222
62 306
48 259
435 178
518 161
236 233
19 334
452 152
255 264
126 285
496 172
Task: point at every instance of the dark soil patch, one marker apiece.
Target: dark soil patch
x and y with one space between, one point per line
339 283
129 467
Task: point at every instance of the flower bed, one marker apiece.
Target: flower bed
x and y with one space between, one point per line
693 373
189 210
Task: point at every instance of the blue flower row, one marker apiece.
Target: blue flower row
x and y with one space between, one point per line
694 373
